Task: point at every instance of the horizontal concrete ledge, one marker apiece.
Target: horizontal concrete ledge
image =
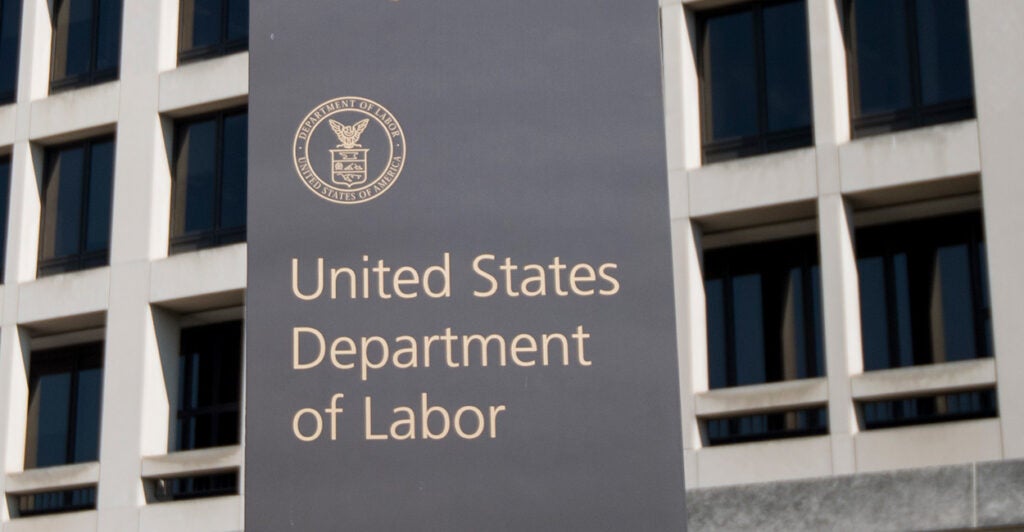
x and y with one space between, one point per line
962 497
192 462
86 521
763 397
922 380
53 478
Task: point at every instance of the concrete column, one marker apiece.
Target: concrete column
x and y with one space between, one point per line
996 44
136 406
691 333
22 238
841 302
838 268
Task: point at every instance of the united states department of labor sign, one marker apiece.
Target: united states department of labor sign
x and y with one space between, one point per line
478 336
349 150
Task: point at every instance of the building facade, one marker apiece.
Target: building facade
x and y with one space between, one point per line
844 179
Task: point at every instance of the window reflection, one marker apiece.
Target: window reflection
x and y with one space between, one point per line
763 313
65 392
923 292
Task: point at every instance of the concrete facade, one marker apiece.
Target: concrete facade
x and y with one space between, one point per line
971 475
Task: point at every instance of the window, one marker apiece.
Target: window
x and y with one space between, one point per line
210 377
763 312
923 292
755 80
64 406
909 64
212 27
5 195
766 426
76 206
52 502
10 22
928 409
209 181
86 42
194 487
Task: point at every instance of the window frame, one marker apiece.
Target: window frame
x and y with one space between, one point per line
10 97
93 76
798 251
76 358
186 384
917 115
217 236
83 259
763 142
221 47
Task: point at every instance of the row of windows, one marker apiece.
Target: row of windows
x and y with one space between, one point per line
209 193
923 293
65 392
909 65
87 38
65 406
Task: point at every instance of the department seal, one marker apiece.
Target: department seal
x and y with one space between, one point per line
349 150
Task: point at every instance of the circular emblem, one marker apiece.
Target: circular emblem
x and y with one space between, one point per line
349 150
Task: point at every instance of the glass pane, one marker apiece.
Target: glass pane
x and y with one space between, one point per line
68 206
787 69
731 75
986 312
717 369
101 170
873 313
206 23
232 206
944 50
794 328
238 19
79 37
5 193
749 329
108 34
200 149
87 415
10 19
956 305
227 429
819 327
904 319
883 66
53 394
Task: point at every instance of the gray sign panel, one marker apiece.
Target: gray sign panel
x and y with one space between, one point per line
460 306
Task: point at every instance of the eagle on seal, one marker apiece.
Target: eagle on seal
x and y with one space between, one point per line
349 135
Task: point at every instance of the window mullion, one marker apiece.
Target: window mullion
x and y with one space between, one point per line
731 370
94 40
69 456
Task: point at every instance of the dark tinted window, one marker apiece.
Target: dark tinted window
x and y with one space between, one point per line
929 409
210 181
763 313
923 292
209 393
755 80
65 391
10 29
86 42
767 426
212 27
910 63
51 502
77 194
